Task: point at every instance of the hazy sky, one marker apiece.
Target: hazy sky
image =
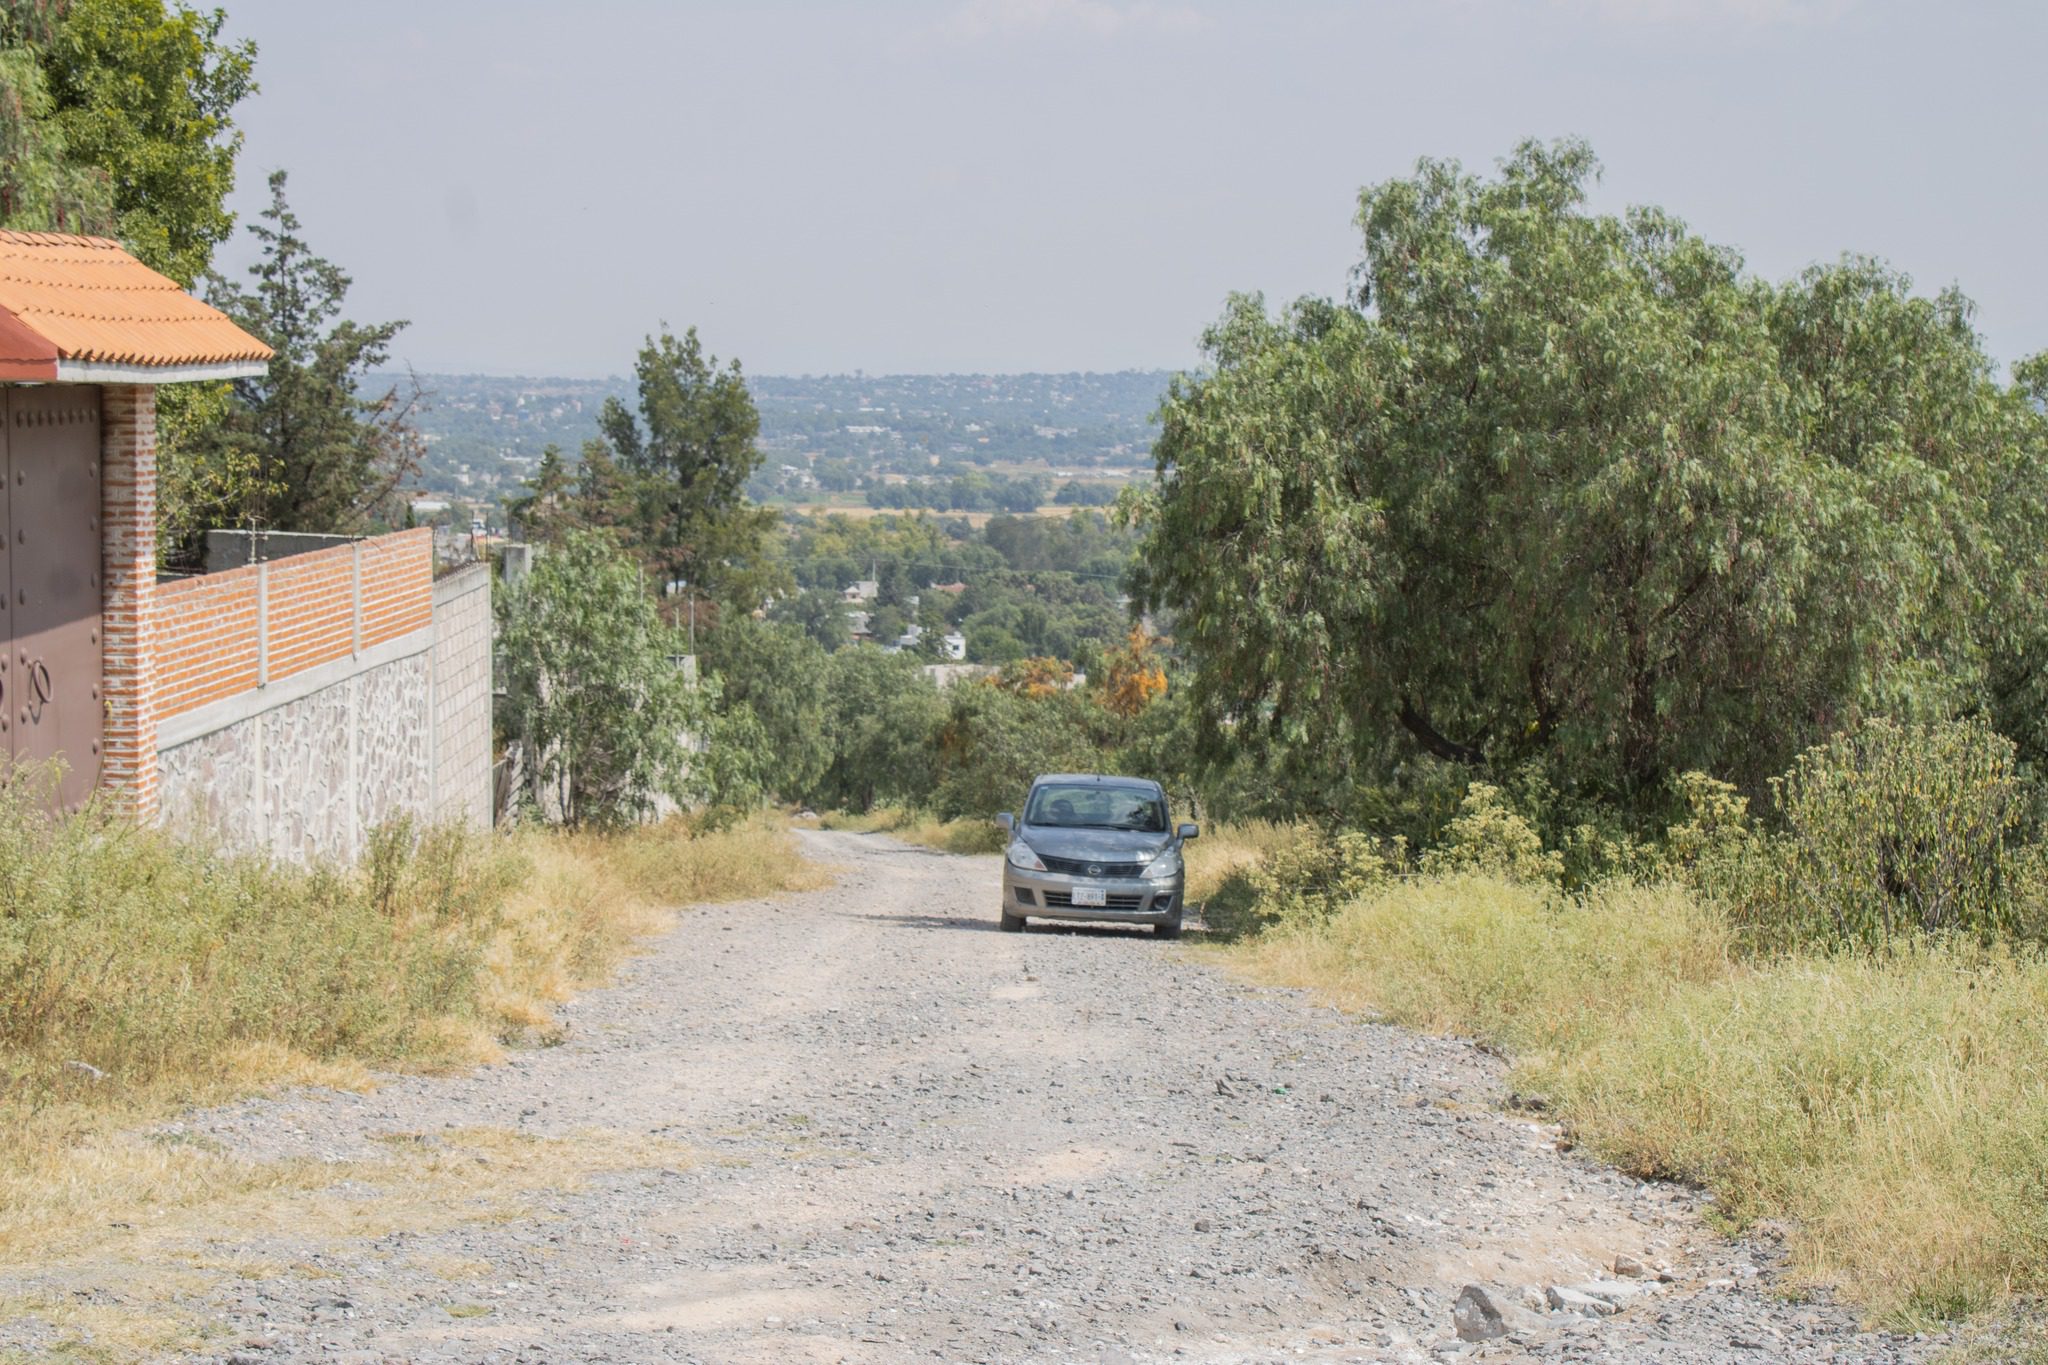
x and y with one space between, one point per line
951 185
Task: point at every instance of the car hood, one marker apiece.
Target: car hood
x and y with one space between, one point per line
1096 845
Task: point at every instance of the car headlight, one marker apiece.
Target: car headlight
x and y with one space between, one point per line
1165 865
1020 855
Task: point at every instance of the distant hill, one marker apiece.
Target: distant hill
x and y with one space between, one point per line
485 433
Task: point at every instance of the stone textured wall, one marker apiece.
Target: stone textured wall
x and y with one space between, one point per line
311 777
462 696
307 767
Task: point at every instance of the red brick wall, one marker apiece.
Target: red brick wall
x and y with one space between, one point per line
210 646
128 559
398 597
207 633
312 610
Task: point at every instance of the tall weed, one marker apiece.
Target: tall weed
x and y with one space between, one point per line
143 956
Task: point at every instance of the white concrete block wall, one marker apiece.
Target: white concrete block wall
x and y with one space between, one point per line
462 697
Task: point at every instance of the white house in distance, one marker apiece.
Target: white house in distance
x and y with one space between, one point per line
953 642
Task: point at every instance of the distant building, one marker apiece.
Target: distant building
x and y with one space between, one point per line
956 645
866 590
944 676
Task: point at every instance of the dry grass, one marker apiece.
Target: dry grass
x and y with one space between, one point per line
1226 853
184 976
587 899
1894 1109
926 831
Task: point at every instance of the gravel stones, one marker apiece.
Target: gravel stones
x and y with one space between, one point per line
919 1138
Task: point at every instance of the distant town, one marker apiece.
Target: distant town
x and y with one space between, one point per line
971 443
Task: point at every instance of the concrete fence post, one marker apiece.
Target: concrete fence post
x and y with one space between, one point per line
355 598
263 623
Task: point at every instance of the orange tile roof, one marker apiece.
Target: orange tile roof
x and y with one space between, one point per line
86 301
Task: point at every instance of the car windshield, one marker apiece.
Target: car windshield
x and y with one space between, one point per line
1091 807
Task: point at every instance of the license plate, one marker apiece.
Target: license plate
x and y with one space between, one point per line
1088 895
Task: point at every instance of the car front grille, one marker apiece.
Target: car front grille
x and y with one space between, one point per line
1075 867
1112 901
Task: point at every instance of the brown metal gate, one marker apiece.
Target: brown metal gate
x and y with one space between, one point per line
50 569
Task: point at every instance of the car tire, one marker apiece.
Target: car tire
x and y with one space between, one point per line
1170 929
1012 924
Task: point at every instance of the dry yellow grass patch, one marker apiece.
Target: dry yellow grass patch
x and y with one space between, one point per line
148 1226
916 827
588 900
1894 1109
1230 850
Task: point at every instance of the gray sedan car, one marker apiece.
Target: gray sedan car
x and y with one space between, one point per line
1088 847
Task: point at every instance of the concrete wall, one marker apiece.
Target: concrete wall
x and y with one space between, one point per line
462 696
233 549
365 694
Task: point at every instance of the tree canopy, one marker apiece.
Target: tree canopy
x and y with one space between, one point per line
115 119
603 721
688 453
301 447
1576 488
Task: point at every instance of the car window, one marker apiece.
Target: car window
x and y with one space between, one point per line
1092 807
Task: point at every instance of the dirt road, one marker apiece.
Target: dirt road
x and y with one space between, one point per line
861 1125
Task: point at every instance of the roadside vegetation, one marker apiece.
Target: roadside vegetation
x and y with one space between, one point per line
926 831
1588 646
145 973
1858 1058
1573 642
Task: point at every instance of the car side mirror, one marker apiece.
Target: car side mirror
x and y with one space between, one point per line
1007 820
1190 831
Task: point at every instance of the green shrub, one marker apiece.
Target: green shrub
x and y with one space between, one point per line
883 717
1315 873
1488 836
993 741
602 717
1890 830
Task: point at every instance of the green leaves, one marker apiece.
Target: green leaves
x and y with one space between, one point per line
1574 487
300 448
683 463
114 119
604 721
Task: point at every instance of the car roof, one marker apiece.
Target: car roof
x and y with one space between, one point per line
1144 784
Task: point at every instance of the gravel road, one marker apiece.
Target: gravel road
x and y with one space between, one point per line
896 1134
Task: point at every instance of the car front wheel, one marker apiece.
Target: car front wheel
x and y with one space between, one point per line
1012 924
1169 929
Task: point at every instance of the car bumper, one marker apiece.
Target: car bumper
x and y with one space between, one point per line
1050 895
